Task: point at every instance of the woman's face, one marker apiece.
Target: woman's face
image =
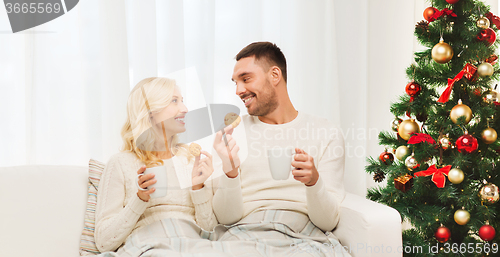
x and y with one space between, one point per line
172 116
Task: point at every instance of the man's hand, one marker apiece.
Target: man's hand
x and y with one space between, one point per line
304 171
228 153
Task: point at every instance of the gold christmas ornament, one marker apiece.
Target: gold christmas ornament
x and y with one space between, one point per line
444 141
462 217
489 193
407 127
461 110
411 163
402 152
489 136
483 22
490 96
485 69
456 176
442 52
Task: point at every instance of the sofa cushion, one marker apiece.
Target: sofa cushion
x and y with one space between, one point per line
87 240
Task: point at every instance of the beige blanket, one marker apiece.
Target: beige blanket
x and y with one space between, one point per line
265 233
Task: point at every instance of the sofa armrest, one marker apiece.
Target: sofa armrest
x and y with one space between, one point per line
42 210
367 228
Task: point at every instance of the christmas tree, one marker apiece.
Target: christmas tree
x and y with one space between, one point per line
443 179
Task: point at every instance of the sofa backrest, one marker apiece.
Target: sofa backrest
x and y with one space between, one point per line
42 210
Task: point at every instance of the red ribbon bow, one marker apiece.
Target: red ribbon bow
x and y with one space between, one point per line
447 92
419 138
468 71
494 19
437 174
441 13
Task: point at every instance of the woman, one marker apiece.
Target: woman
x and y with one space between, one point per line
155 116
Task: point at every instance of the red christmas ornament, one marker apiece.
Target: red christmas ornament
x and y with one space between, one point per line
487 232
429 12
386 158
488 35
413 89
452 1
442 234
466 144
493 19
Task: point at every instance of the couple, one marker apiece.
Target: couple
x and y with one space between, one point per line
244 212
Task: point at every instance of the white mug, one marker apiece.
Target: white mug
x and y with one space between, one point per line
161 181
280 162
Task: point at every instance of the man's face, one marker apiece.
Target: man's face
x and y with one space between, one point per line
253 86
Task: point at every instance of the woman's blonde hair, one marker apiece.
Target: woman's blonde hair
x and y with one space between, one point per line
158 92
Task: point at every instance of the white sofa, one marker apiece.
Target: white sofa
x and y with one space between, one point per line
42 210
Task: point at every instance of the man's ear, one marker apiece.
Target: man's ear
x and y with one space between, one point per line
275 75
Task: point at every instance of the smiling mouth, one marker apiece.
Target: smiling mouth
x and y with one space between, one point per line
180 119
248 99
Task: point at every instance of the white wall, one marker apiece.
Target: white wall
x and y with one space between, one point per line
390 47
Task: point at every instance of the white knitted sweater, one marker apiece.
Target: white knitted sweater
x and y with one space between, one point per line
120 211
254 189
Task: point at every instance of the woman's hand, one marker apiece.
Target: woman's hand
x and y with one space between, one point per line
202 169
144 181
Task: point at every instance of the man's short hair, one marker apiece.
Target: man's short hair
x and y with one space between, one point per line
266 54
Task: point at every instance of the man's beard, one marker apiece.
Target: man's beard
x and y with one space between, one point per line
267 102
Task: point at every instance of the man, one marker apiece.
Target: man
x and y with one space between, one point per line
247 197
